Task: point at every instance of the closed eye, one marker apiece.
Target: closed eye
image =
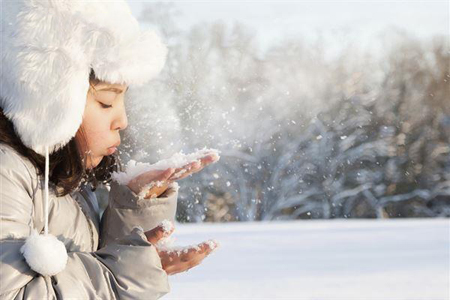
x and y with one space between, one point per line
105 106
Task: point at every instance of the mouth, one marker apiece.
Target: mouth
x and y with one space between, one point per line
116 144
111 150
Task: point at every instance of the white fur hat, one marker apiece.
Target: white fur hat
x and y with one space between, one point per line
48 48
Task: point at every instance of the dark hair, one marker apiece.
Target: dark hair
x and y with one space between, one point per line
67 168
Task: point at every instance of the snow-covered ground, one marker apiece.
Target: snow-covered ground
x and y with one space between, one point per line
315 259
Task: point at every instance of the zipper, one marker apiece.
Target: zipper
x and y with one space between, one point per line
87 218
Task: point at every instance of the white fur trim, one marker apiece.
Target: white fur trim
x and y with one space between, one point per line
48 49
45 254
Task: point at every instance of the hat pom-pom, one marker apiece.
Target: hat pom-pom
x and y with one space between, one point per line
44 253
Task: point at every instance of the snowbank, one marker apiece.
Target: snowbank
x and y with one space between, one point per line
333 259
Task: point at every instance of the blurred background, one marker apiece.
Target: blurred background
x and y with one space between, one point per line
321 110
333 122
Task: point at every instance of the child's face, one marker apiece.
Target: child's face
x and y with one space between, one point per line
104 115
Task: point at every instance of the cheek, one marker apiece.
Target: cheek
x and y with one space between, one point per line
96 128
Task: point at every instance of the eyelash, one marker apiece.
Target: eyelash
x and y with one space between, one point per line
105 106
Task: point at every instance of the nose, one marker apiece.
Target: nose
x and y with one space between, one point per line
121 122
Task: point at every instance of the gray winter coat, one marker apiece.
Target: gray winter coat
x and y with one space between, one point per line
107 258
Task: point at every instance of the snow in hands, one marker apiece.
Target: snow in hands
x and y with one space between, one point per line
178 160
167 242
167 226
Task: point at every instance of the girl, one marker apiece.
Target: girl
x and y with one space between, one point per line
66 66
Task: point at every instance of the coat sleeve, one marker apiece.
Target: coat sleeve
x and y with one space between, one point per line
125 210
127 268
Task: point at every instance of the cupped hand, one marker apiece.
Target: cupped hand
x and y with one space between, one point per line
154 183
177 261
174 262
194 167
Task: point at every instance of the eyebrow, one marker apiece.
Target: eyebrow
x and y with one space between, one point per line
114 89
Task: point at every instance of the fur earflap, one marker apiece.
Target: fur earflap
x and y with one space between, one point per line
48 49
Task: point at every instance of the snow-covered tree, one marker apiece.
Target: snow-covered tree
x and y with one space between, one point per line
301 135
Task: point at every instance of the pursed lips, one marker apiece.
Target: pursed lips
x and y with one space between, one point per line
113 148
115 145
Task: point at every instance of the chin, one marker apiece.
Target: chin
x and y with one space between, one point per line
98 161
95 163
